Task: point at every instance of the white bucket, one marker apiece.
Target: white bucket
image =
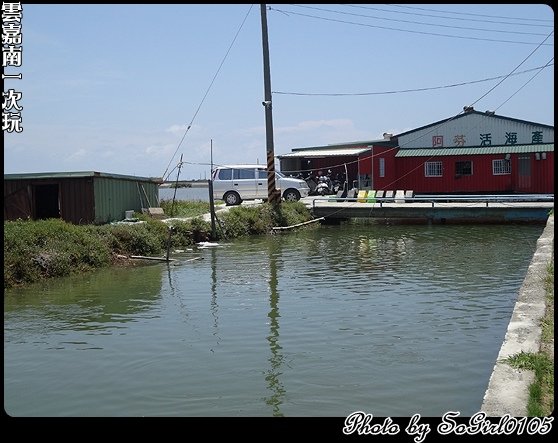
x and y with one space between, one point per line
129 214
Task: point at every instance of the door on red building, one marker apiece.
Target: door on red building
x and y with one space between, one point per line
524 173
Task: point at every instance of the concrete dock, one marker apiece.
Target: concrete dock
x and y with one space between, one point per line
434 210
508 388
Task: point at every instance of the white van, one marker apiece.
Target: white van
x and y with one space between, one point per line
235 183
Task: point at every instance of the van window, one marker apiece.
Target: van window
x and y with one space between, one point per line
263 174
225 174
240 174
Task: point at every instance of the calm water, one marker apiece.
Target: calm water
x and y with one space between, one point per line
193 193
391 320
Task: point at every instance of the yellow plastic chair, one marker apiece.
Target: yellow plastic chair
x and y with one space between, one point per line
361 197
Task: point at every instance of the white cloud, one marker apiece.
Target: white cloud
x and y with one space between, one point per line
159 149
77 155
181 129
177 129
302 127
312 125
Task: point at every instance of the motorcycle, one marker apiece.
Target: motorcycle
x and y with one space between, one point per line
339 183
324 186
309 181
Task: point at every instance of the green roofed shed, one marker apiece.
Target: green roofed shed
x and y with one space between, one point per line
77 197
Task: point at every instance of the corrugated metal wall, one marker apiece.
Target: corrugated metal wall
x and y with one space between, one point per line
390 180
81 200
18 199
290 166
471 129
75 197
115 196
76 200
539 178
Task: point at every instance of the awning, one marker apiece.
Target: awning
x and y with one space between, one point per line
324 153
475 150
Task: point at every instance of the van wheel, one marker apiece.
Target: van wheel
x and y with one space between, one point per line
232 198
291 195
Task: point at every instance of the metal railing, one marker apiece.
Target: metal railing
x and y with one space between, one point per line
422 198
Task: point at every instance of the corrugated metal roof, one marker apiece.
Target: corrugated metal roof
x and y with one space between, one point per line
325 152
469 113
78 174
475 150
344 145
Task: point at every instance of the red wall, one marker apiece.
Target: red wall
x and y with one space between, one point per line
390 180
407 173
543 174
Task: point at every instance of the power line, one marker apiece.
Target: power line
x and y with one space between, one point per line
469 13
525 84
404 30
524 60
435 128
207 92
409 90
514 32
450 18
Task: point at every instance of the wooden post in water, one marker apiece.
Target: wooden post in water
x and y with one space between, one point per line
169 242
172 207
176 186
212 210
211 201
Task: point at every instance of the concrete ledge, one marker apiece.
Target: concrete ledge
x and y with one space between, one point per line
450 212
508 388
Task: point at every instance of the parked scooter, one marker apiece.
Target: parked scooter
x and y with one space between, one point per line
338 183
312 184
324 186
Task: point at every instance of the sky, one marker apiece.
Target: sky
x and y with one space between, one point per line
130 88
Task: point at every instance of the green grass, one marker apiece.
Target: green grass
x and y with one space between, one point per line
547 322
543 367
183 208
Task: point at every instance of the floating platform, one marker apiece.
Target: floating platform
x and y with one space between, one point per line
442 209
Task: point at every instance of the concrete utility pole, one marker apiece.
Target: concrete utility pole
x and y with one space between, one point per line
273 195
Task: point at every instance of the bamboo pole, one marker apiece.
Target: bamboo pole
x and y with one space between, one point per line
141 257
283 228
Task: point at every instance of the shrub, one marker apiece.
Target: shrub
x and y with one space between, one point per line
51 248
184 208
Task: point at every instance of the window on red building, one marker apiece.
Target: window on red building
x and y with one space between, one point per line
464 168
501 167
433 169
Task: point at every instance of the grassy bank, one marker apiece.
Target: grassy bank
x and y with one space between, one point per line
182 208
35 250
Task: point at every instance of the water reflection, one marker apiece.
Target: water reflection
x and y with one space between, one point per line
93 304
276 359
391 319
421 254
214 306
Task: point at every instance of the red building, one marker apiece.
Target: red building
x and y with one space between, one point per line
353 159
474 152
